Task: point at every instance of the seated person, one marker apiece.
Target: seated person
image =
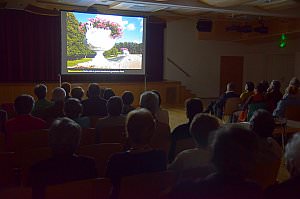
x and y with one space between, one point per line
233 155
127 98
42 103
216 108
291 97
273 95
141 157
290 188
77 93
265 86
202 128
94 105
73 110
23 122
114 118
193 106
3 119
67 87
162 136
57 108
162 114
107 93
64 165
249 91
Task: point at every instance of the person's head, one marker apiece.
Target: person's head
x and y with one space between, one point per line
114 106
158 95
230 86
40 91
234 150
93 90
58 94
275 85
292 155
108 93
202 128
262 123
295 82
127 97
193 106
249 86
265 85
73 108
64 136
140 126
77 92
67 87
24 104
150 101
291 90
259 88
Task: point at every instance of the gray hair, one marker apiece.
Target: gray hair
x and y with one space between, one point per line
292 151
58 94
150 101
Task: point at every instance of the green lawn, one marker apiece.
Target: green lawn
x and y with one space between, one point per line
75 62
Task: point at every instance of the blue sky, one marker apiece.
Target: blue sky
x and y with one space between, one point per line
132 26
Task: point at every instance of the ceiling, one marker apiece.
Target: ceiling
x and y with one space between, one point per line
167 8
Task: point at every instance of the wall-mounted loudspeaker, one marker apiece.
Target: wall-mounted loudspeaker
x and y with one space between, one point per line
204 25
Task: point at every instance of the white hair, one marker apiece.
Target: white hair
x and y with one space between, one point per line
150 101
292 151
58 94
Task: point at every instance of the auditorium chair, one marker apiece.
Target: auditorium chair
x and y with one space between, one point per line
9 108
2 142
94 120
101 153
292 112
85 189
16 193
88 136
184 144
147 186
231 105
114 134
8 173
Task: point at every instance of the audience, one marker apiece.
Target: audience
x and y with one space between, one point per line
233 154
162 115
162 136
64 165
114 118
23 122
94 105
128 99
73 110
77 93
42 103
273 95
67 87
193 106
290 188
201 129
249 91
3 119
108 93
265 86
141 157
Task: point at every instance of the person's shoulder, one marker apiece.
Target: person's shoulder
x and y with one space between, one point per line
181 127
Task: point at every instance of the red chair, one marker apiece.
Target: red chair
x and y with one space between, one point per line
88 136
16 193
8 176
114 134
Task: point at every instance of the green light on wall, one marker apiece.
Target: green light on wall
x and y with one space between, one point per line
283 41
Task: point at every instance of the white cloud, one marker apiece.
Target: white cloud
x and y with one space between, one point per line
130 27
137 41
141 29
116 19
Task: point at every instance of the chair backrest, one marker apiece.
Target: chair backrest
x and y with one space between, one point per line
162 137
88 136
184 144
7 165
113 134
94 120
16 193
231 105
31 157
292 112
147 186
9 108
84 189
101 153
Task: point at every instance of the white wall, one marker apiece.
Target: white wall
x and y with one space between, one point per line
201 59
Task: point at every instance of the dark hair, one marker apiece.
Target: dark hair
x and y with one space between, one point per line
260 88
127 97
262 123
108 92
67 87
159 97
73 108
193 106
265 85
234 150
114 105
276 85
295 82
250 86
77 92
40 91
93 90
24 104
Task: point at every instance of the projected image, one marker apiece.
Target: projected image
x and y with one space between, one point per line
99 42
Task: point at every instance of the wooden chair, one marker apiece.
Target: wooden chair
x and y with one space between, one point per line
101 153
147 186
84 189
231 105
16 193
292 112
88 136
8 176
114 134
184 144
